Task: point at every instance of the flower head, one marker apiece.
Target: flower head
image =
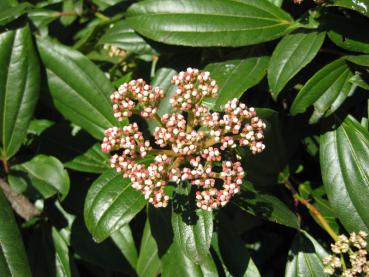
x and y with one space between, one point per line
188 145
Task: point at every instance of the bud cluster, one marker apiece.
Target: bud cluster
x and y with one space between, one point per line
351 250
188 145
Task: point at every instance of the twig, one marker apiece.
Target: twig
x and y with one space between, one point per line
20 204
312 209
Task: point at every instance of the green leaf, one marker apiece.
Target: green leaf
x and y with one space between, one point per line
37 126
326 90
305 257
12 13
292 54
148 263
348 33
209 23
274 155
46 174
266 206
124 240
192 227
235 76
361 6
231 250
79 89
124 37
111 202
5 4
19 87
13 259
345 172
175 262
162 79
62 259
91 161
278 3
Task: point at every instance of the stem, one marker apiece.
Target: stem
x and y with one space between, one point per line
102 16
313 210
153 65
20 204
67 14
167 152
6 165
158 120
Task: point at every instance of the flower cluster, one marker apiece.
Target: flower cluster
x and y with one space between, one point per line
352 251
188 145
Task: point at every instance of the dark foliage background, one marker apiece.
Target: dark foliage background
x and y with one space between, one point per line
64 212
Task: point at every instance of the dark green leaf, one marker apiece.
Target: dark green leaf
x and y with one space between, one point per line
12 13
231 250
162 79
124 240
175 263
124 37
79 89
235 76
62 258
305 257
148 263
46 174
19 87
111 202
92 161
266 206
326 90
292 54
210 23
193 228
275 153
37 126
13 259
278 3
106 254
348 33
361 6
345 172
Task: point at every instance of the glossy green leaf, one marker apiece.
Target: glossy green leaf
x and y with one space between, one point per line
305 257
37 126
266 206
111 202
326 90
148 263
292 54
345 172
79 89
278 3
124 37
209 23
192 227
19 87
13 259
107 254
13 12
124 240
361 6
235 76
46 174
62 259
348 33
5 4
230 248
275 153
162 79
77 150
92 161
175 263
